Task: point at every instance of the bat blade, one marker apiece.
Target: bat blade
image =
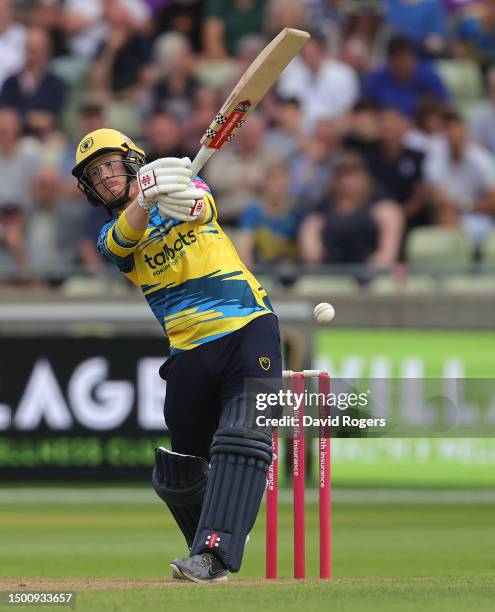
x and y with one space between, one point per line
249 91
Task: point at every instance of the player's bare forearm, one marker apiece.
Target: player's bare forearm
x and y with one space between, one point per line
124 236
136 216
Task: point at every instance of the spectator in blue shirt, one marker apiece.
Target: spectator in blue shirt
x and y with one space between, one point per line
404 81
476 33
423 22
269 226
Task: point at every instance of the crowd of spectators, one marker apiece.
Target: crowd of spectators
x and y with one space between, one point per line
364 138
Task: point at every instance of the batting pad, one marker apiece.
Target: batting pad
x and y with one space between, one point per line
237 480
180 481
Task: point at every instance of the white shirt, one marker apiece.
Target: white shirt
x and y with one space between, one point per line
324 95
12 51
86 42
423 142
467 179
482 126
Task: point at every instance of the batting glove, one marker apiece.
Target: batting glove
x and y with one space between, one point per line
186 205
163 176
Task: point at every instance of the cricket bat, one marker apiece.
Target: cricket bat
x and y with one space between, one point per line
248 92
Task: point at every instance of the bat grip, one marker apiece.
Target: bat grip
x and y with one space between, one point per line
202 156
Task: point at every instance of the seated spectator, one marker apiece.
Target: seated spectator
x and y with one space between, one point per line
163 134
475 33
325 87
177 82
85 23
399 169
353 224
361 34
184 18
286 14
427 132
482 121
53 227
423 23
284 138
269 226
206 103
17 167
362 126
35 92
47 15
404 80
238 170
122 68
12 42
227 21
462 177
329 19
312 167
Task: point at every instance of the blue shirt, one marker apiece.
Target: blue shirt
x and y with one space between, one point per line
417 20
481 43
275 236
381 86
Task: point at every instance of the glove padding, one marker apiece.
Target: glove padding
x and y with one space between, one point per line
186 205
165 175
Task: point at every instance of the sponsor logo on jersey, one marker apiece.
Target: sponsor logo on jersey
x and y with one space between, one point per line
170 252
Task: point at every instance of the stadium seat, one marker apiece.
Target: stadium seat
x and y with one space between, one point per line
469 285
217 74
463 79
70 69
124 116
328 285
74 71
431 246
416 284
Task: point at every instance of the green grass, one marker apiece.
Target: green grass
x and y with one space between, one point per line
453 595
386 557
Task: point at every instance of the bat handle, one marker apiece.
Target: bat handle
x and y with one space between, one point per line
202 156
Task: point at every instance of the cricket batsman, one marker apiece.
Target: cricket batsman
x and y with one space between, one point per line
164 236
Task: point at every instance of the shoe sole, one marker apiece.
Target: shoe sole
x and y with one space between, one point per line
179 574
176 575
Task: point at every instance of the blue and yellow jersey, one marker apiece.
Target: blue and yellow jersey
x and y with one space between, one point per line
190 274
274 236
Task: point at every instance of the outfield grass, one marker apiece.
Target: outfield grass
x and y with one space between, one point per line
394 556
